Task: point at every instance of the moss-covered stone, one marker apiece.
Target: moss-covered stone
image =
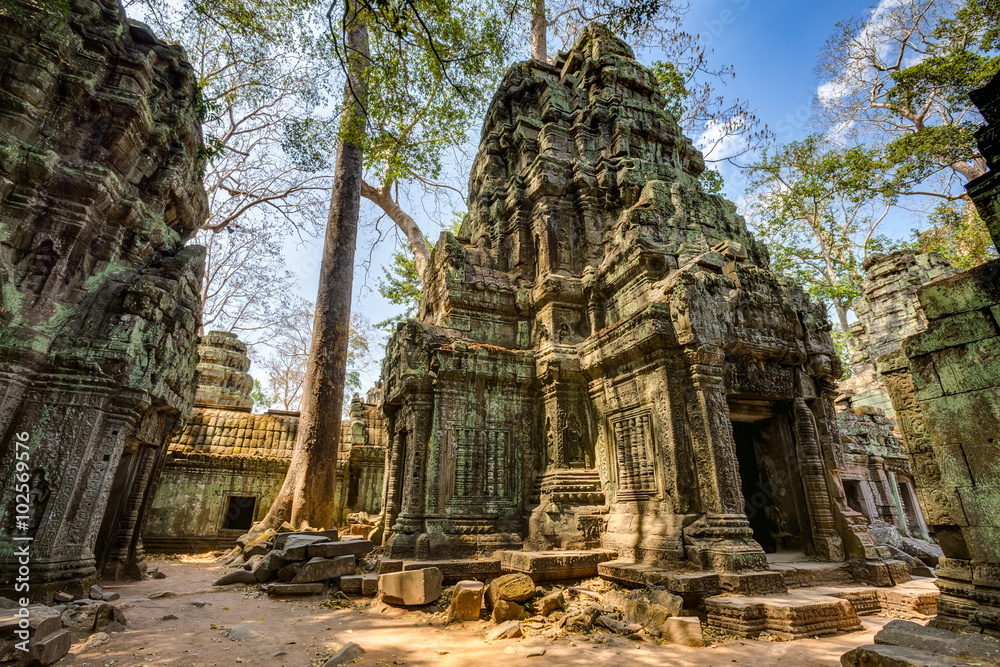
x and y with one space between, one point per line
100 188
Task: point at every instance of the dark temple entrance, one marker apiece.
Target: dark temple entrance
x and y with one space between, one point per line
757 493
770 476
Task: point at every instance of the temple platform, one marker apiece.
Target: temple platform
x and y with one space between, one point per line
544 566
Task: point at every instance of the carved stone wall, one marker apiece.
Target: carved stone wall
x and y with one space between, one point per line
603 346
946 381
100 188
985 190
887 313
223 380
224 469
878 478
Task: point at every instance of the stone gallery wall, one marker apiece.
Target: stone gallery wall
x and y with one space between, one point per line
887 312
603 356
225 468
100 188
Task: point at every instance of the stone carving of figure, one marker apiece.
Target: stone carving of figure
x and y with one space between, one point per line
562 251
564 333
574 445
550 445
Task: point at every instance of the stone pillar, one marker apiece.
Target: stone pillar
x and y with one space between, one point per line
826 541
723 539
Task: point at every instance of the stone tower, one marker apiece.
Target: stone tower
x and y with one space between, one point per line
223 380
602 355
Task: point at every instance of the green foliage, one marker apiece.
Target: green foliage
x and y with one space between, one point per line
910 96
818 208
673 85
712 182
958 234
400 285
261 400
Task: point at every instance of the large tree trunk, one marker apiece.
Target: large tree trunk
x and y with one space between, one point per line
418 244
539 45
306 498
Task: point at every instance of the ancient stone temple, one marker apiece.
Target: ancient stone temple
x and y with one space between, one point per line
99 190
880 478
225 468
887 312
603 356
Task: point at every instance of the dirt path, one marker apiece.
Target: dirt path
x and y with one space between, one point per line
299 631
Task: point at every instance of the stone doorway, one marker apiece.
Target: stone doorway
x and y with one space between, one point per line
757 494
773 495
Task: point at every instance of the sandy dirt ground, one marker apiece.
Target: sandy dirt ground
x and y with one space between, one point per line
295 633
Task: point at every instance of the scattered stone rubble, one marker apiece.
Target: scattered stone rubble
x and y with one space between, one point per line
52 629
300 563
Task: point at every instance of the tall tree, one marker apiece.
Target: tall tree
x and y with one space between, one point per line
813 204
899 80
305 498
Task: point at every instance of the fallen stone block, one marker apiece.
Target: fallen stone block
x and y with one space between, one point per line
516 587
334 549
467 601
505 610
795 615
555 565
411 588
893 656
969 647
296 545
369 585
236 577
508 630
347 654
51 648
549 603
650 616
683 630
281 539
60 597
241 632
320 569
279 590
672 603
466 569
108 618
351 583
288 572
96 593
389 565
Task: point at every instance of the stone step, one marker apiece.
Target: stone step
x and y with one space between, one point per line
915 599
555 565
908 644
794 615
453 571
798 574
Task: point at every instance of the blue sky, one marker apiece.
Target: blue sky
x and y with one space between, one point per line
773 45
